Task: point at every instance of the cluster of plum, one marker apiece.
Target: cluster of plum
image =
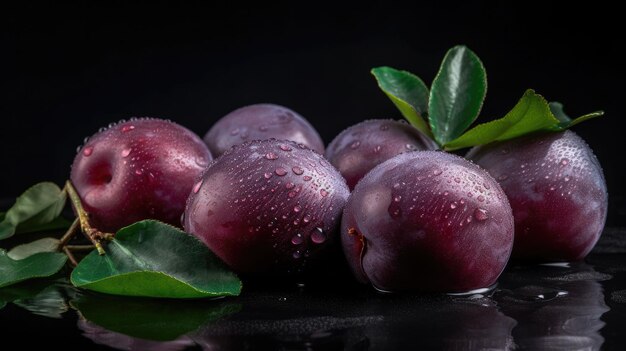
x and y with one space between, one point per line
409 217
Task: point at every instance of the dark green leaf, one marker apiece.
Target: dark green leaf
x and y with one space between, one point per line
148 318
408 92
531 114
565 120
42 245
34 210
457 94
153 259
38 265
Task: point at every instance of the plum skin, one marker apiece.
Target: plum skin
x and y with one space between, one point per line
260 122
427 221
139 169
361 147
557 192
267 206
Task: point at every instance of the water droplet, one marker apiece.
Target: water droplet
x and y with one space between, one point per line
397 198
318 236
566 179
297 239
297 254
378 148
453 205
410 147
355 145
285 147
297 170
564 162
126 152
480 214
139 171
384 127
280 171
297 208
234 131
271 156
503 177
480 198
462 201
445 193
196 187
458 180
306 178
88 151
306 219
437 172
291 194
267 175
323 192
127 128
289 185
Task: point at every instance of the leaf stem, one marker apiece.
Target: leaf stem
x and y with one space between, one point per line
70 233
80 247
70 256
93 234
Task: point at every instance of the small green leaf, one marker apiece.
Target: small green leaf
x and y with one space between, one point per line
153 259
42 245
39 265
457 94
565 120
151 319
531 114
408 92
34 210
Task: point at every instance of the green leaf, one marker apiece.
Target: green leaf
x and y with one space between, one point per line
531 114
34 210
408 92
565 120
148 318
42 245
153 259
39 265
457 94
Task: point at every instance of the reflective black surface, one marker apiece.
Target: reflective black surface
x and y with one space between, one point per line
578 306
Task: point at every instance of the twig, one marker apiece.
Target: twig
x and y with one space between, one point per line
80 247
70 256
93 234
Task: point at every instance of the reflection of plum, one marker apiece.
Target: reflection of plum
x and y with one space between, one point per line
440 324
121 341
556 311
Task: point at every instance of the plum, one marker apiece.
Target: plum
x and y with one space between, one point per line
259 122
427 221
557 192
139 169
361 147
267 206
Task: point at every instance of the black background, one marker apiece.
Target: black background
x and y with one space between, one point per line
69 69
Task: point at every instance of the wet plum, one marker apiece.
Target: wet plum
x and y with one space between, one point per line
361 147
557 192
143 168
260 122
427 221
267 206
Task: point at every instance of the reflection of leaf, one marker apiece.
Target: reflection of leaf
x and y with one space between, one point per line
48 303
153 259
25 250
43 297
150 319
35 210
39 265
